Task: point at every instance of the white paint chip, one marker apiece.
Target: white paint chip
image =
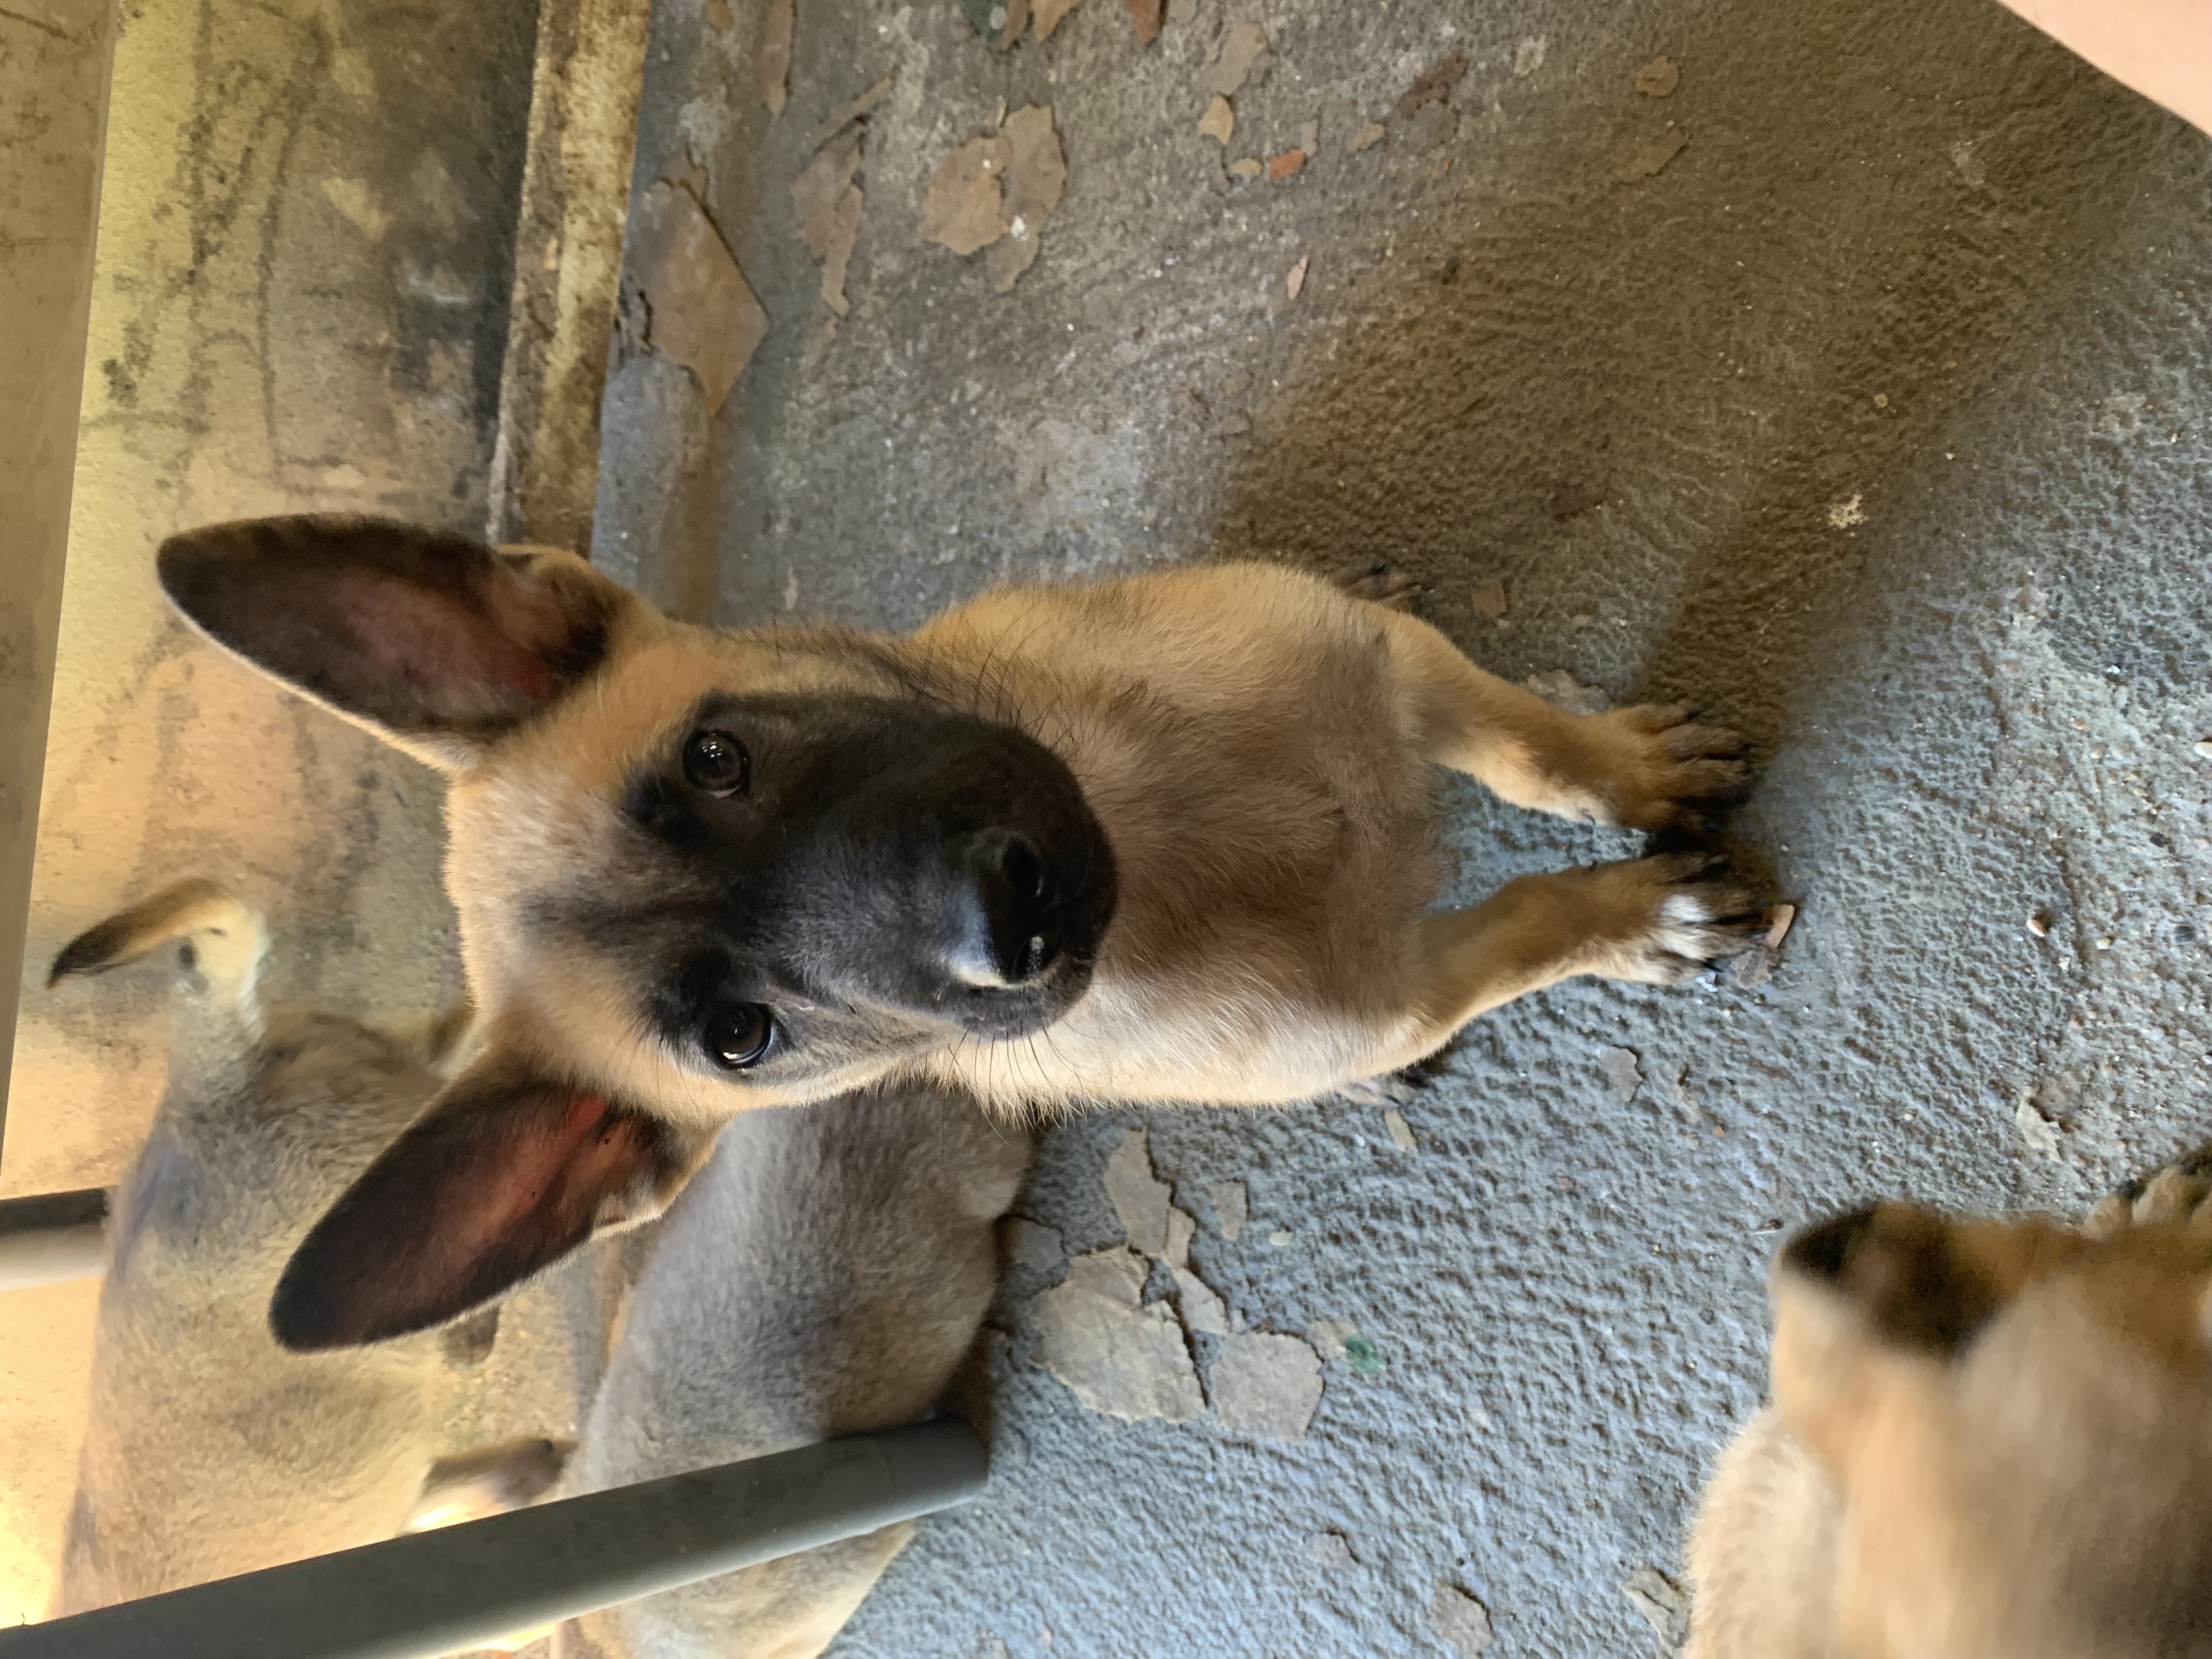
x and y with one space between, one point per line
1181 1227
1265 1385
1120 1358
1140 1201
1459 1620
1204 1313
1229 1206
1294 284
1401 1136
1842 514
1624 1072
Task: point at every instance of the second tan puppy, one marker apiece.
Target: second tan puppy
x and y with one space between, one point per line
1990 1439
1166 838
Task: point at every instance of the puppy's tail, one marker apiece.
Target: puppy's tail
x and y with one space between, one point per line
222 941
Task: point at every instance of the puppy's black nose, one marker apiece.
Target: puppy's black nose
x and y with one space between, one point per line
1010 937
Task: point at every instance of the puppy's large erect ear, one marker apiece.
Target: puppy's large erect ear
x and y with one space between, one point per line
507 1172
435 641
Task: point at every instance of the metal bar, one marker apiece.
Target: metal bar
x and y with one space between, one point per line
51 1238
461 1587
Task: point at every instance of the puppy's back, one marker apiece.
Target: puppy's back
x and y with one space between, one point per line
825 1275
208 1449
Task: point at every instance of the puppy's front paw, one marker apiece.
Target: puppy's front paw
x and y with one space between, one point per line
1691 911
1665 774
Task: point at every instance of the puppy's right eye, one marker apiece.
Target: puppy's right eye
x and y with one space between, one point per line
716 762
738 1037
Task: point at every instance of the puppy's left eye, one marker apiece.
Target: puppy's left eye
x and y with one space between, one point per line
715 762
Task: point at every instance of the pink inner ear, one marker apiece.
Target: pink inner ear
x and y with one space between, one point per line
438 641
570 1162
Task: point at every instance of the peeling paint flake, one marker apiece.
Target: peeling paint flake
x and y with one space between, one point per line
1433 85
1661 1602
1230 1207
775 54
1032 1244
703 313
1138 1197
1244 54
1219 121
1037 173
828 203
1204 1313
1401 1133
1649 160
1294 283
1145 17
965 208
1119 1357
1658 78
1265 1385
1624 1072
1045 16
1459 1620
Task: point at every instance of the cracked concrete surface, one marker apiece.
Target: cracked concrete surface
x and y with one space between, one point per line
1874 420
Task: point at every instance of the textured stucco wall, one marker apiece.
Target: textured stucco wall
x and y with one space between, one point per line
299 303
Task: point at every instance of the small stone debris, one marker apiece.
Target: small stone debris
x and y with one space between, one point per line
1120 1358
1265 1385
1648 162
1528 55
833 122
1139 1198
1232 426
1248 167
1145 17
1035 176
2038 1132
1219 121
1331 1550
1204 1313
1183 1226
1370 135
2039 924
1431 85
1779 919
1294 283
1658 78
1361 1354
1288 165
1229 1205
701 311
1281 1239
1032 1244
1661 1602
1489 601
1309 137
1844 514
2204 749
775 54
1458 1619
1562 691
1623 1072
828 203
1401 1135
1244 55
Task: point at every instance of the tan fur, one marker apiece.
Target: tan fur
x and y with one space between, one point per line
824 1275
1258 746
208 1451
2043 1490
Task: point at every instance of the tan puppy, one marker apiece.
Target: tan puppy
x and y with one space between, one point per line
1166 838
208 1451
824 1275
1990 1439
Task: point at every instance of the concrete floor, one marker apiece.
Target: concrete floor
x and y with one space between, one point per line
1875 420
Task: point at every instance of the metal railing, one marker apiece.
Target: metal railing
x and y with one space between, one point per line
51 1238
460 1587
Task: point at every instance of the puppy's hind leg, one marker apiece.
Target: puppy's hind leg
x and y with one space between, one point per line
1657 920
1644 768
